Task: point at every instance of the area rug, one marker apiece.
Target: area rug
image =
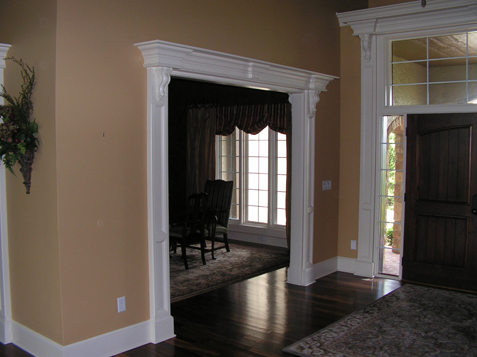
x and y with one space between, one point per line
411 321
242 262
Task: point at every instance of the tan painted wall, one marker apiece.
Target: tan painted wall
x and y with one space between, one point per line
32 219
94 249
350 129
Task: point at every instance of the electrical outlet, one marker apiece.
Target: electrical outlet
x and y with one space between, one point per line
353 245
326 185
122 304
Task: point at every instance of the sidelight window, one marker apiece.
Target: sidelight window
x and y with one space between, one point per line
392 195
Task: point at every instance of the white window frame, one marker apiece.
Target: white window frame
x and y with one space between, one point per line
379 180
236 224
377 27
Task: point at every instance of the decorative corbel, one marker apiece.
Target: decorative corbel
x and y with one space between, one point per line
365 29
366 40
313 99
160 82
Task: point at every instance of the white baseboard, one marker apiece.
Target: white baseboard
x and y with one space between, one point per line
321 269
5 330
364 268
346 265
34 343
162 329
106 345
130 337
342 264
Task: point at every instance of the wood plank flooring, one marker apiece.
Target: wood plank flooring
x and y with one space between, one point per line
261 316
257 317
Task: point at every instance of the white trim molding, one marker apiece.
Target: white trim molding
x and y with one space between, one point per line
5 303
165 60
322 269
109 344
410 16
375 26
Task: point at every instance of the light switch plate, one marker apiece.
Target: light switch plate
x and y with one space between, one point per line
122 304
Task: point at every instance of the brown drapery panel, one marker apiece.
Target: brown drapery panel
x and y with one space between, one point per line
200 147
252 119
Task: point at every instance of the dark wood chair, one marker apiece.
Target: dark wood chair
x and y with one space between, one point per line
219 201
196 227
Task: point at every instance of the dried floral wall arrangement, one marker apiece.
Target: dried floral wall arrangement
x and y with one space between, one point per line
18 141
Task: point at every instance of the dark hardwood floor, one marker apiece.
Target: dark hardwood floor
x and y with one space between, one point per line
257 317
261 316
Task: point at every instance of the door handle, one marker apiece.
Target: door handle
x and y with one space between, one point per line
474 204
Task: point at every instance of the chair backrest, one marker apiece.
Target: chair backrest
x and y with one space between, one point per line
196 212
220 198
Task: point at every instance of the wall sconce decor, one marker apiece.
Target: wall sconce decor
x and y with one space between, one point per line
18 141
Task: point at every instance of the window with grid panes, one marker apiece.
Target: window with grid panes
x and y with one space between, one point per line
258 166
434 70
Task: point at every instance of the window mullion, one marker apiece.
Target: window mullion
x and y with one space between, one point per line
242 177
218 150
272 173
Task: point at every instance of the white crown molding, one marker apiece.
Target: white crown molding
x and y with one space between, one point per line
184 60
410 16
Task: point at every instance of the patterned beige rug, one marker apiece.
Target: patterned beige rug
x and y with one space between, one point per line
411 321
242 262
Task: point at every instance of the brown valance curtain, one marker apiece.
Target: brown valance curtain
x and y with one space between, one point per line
252 119
206 121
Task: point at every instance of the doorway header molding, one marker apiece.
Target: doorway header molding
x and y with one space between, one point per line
186 61
410 16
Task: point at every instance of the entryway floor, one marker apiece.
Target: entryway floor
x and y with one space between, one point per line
391 262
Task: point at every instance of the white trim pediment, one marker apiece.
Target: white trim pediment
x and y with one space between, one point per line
186 61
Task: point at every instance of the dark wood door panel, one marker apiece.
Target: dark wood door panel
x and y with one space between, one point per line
442 240
441 172
444 165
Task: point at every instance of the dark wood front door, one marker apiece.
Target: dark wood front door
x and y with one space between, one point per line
440 246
